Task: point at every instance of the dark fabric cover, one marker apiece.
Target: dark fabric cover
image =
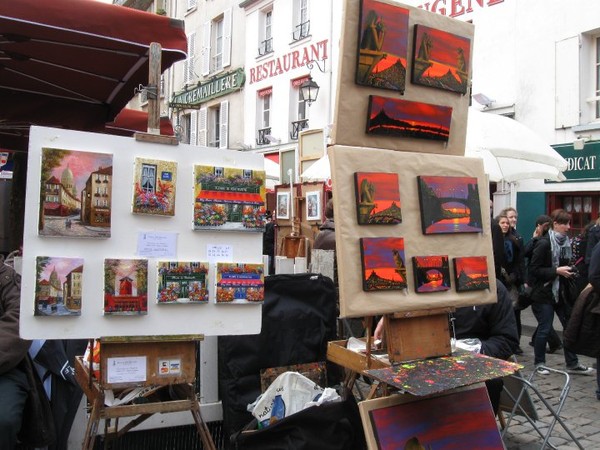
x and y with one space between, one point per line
582 335
331 426
298 320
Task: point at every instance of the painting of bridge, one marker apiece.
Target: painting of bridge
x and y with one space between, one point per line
449 204
377 198
471 273
432 273
383 263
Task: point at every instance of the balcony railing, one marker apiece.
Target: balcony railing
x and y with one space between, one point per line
297 127
302 30
262 136
265 47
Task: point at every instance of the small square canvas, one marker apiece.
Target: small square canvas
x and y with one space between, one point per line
76 194
377 198
471 273
403 118
382 45
182 282
313 205
432 273
383 263
58 287
240 283
449 205
283 205
154 183
441 59
125 287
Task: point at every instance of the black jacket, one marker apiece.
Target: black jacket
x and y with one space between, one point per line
541 272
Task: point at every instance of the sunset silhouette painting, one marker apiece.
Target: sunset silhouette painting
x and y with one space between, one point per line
471 273
403 118
378 198
432 273
383 263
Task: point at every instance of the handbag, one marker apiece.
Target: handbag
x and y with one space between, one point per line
37 428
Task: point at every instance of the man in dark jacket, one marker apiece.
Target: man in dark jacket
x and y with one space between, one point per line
326 238
13 381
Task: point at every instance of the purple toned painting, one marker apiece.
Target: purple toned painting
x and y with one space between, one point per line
432 273
403 118
382 45
58 286
441 59
449 205
471 273
383 263
377 198
458 420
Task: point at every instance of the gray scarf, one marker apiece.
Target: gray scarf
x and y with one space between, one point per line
560 245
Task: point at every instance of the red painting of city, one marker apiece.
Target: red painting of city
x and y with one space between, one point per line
377 198
441 59
382 45
471 273
432 273
383 263
125 287
403 118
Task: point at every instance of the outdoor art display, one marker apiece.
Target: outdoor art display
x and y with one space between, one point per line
457 420
383 264
313 205
182 282
377 198
154 183
240 283
431 273
229 199
471 273
75 194
283 205
441 59
382 45
402 118
58 286
449 204
125 287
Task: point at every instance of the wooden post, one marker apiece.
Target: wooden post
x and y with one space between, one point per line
154 64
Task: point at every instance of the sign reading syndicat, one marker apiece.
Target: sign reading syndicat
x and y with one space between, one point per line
583 164
215 87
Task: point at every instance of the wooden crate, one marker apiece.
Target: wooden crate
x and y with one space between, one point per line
356 362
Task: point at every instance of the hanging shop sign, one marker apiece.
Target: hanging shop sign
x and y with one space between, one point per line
584 165
216 87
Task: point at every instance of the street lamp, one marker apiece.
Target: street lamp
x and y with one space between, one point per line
309 90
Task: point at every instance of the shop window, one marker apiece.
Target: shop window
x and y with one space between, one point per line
583 208
301 21
216 41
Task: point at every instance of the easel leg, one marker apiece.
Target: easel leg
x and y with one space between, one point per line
203 431
92 425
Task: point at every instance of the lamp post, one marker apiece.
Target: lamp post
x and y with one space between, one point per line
309 90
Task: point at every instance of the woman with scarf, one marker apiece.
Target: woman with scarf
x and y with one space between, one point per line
548 266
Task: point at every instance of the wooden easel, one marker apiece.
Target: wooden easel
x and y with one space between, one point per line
180 349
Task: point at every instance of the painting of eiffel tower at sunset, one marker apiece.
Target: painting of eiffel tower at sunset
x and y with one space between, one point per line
403 118
471 273
383 263
377 198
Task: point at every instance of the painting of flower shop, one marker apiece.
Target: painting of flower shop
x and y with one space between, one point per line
229 199
240 283
182 282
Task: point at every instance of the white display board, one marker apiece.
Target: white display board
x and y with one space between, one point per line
209 319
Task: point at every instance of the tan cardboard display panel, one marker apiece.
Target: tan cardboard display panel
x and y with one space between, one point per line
351 108
354 302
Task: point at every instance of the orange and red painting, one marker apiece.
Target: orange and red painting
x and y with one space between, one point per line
471 273
382 45
432 273
449 205
441 59
403 118
377 198
383 263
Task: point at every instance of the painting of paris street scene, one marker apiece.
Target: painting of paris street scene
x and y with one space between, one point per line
76 191
449 205
441 59
471 273
154 183
229 199
382 46
378 198
383 263
125 287
182 282
58 286
240 283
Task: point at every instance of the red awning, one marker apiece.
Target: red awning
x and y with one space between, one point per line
130 121
75 63
230 197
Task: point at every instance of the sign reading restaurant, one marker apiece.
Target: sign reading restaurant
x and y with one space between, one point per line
213 88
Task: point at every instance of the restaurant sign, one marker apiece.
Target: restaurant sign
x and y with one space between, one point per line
215 87
584 165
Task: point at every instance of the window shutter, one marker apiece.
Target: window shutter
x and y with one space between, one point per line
567 68
206 48
193 127
202 126
223 119
227 19
188 67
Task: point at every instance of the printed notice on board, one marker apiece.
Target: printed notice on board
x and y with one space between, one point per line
129 369
157 245
219 253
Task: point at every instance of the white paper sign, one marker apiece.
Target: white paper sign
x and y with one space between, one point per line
130 369
219 253
157 245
